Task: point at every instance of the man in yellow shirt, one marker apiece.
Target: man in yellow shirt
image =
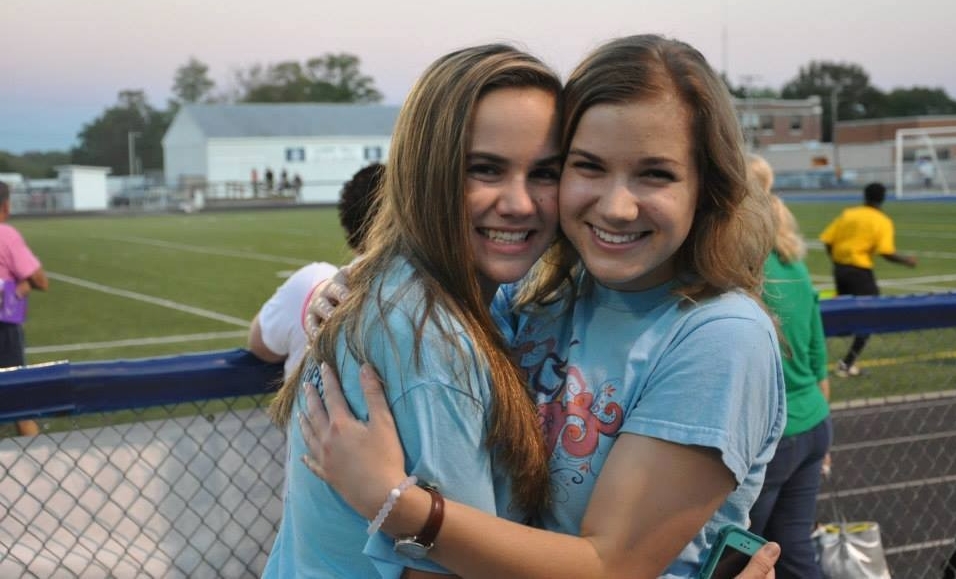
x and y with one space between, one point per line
852 239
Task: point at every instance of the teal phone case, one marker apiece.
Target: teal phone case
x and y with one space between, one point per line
730 538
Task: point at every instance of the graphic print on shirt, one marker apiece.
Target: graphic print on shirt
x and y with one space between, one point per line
573 413
312 374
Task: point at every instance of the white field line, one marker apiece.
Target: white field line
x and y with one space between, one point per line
923 283
927 234
149 299
921 279
206 250
938 254
894 403
817 245
136 342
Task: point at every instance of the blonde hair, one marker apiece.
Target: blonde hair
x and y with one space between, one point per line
423 218
762 171
732 233
787 241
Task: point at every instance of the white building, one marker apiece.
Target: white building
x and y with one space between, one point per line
87 186
75 188
218 147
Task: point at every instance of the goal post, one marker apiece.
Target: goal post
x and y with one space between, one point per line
923 160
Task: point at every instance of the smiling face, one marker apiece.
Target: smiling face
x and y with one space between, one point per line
512 169
629 190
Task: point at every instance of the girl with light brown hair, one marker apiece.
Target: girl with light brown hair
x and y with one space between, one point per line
785 510
654 366
468 202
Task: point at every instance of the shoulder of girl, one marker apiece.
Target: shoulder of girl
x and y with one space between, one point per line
733 305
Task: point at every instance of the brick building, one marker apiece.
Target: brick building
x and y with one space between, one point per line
870 131
769 122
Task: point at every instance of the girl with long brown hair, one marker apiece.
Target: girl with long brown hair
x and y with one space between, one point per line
468 202
653 362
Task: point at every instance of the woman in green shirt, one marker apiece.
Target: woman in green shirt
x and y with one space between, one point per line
785 510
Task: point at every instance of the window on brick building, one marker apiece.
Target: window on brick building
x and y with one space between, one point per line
766 123
796 124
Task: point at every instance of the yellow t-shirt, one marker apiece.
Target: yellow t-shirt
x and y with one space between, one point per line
857 235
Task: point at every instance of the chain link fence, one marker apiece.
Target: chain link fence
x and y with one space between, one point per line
190 490
894 464
894 448
194 489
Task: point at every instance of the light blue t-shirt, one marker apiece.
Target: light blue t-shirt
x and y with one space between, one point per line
440 408
706 374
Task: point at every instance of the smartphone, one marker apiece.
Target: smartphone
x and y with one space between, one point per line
730 553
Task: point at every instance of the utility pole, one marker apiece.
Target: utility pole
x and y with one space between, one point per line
834 105
752 118
131 143
723 46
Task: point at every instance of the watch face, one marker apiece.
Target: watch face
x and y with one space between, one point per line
411 549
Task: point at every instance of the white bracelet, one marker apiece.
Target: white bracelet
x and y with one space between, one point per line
393 495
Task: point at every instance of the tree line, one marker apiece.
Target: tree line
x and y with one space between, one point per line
338 78
104 141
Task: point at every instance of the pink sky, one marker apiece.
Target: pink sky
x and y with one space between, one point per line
63 61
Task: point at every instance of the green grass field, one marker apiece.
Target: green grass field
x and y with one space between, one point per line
902 363
138 286
142 279
925 229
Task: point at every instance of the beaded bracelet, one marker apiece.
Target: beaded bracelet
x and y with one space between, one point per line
393 495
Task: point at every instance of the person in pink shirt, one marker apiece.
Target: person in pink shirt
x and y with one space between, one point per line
21 273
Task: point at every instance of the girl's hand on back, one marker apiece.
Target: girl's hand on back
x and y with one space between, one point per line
362 461
325 298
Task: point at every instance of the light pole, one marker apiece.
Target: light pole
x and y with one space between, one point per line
723 45
834 104
131 143
753 120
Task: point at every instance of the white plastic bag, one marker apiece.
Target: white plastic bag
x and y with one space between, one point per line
851 550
